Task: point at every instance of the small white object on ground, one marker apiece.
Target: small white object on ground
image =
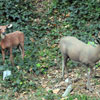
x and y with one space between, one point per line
6 73
68 80
67 91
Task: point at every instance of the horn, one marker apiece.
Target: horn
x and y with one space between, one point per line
9 26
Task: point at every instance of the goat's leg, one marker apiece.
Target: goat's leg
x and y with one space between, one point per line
88 80
22 50
64 61
93 72
11 57
3 55
63 67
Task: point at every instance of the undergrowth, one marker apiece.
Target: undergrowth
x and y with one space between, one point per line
42 34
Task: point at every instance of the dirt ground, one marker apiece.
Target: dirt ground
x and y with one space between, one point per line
53 81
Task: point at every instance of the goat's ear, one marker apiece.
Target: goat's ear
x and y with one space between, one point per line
9 26
98 40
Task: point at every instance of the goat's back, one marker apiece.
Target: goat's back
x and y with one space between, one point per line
74 48
70 42
16 36
12 39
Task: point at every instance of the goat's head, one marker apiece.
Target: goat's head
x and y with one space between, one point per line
2 34
3 30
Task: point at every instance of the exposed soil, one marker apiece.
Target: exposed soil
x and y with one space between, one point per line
53 81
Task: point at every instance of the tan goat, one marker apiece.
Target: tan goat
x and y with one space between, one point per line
74 49
11 40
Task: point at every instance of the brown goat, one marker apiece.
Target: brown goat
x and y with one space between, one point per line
3 28
11 40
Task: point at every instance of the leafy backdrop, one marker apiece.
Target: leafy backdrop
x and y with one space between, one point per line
44 23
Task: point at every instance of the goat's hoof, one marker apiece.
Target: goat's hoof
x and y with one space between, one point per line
96 76
90 89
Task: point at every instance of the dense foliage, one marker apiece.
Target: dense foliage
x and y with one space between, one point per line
43 31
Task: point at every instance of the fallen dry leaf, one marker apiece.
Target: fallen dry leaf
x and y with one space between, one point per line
67 15
47 88
16 94
55 11
54 45
75 99
65 98
18 67
67 26
56 91
44 85
54 24
62 83
30 69
43 99
32 40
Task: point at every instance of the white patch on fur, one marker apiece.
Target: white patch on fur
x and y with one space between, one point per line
2 36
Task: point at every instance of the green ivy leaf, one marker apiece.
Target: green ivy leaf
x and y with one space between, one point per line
38 65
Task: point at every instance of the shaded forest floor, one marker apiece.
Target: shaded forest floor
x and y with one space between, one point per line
49 86
52 82
77 74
